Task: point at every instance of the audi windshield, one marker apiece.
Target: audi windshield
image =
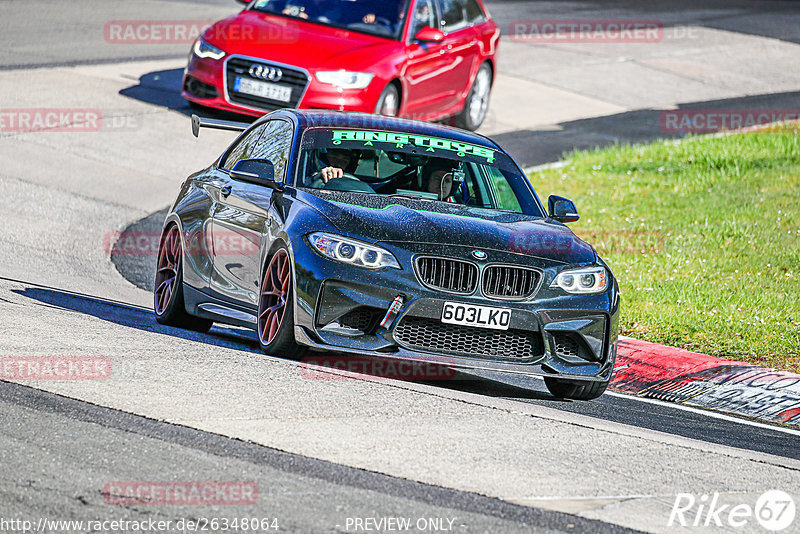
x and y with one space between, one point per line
378 17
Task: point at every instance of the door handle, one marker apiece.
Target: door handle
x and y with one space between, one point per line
226 191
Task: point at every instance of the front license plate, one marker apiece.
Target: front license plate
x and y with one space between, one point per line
272 91
479 316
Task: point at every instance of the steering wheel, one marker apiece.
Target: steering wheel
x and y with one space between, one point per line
347 182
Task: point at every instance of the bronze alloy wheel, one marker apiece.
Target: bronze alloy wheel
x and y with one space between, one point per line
168 300
274 299
169 259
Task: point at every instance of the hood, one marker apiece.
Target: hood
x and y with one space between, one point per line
397 220
286 40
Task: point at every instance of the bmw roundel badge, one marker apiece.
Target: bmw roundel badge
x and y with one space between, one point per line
479 254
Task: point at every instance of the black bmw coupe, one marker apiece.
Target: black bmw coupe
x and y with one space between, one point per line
387 238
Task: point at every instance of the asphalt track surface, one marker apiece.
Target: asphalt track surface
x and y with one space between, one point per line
58 451
303 494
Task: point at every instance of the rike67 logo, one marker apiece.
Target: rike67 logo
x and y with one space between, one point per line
774 510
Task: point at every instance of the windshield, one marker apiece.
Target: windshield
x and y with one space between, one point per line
378 17
418 167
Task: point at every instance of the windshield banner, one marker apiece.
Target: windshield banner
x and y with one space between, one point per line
400 140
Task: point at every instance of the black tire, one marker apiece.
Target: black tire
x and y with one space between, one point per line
389 95
476 106
283 343
576 390
174 312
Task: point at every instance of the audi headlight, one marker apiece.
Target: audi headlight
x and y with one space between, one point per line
350 251
582 281
345 79
204 50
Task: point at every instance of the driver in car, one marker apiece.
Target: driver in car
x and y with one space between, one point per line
337 161
320 10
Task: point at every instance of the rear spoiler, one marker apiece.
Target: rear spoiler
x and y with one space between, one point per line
215 124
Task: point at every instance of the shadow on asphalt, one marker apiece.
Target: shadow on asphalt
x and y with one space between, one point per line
528 147
245 340
534 147
138 318
163 88
139 269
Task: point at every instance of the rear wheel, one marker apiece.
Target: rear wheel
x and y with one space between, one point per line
275 325
168 301
577 390
389 101
477 104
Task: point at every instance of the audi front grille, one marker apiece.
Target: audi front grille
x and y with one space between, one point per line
293 77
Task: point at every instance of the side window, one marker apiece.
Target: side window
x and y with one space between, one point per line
243 148
275 145
477 186
475 14
506 199
424 16
453 17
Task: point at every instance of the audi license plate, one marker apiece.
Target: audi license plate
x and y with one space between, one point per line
479 316
272 91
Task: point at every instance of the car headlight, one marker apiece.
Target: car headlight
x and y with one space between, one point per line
345 79
204 50
582 281
351 251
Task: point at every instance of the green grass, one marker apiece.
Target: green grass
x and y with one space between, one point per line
703 235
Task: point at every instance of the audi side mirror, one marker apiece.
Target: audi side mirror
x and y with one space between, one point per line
429 35
562 209
257 171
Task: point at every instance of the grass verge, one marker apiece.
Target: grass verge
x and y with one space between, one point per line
703 235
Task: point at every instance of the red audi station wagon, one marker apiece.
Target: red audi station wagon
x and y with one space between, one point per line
423 59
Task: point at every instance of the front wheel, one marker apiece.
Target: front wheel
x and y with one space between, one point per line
575 389
275 325
477 104
168 301
389 102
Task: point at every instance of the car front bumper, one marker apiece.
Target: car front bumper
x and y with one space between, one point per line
340 307
204 84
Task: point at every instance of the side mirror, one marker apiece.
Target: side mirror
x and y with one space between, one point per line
429 35
562 209
257 171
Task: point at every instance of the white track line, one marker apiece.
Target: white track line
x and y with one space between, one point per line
699 411
707 413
